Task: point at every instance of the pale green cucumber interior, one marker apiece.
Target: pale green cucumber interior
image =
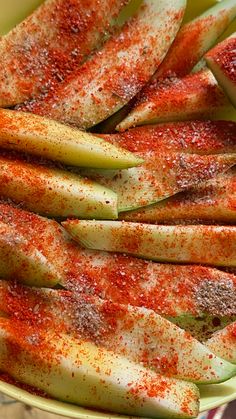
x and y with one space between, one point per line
131 192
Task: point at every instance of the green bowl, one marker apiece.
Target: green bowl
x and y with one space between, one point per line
11 13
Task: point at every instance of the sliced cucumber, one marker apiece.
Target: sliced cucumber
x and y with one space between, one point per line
213 245
214 200
188 137
221 61
20 259
161 176
47 138
178 291
223 343
166 348
135 187
54 192
42 50
195 96
35 235
203 32
79 372
113 76
193 40
141 335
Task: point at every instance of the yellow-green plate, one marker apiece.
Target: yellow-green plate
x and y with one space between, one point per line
12 12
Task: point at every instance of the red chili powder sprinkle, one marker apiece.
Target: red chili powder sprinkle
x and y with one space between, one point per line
126 280
233 330
202 137
33 176
82 315
46 235
133 73
189 395
28 305
27 345
174 94
167 365
149 386
182 56
60 35
224 54
120 278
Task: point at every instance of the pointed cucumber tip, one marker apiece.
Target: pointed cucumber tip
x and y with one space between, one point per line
227 371
126 159
132 161
126 124
230 370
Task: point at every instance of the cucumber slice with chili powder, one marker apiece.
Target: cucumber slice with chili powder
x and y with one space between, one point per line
49 139
188 137
20 259
54 192
34 235
212 245
195 96
161 176
182 292
202 32
140 335
113 76
177 156
69 369
176 291
210 201
38 55
223 343
193 40
221 61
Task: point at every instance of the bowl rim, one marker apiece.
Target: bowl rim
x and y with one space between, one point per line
212 396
